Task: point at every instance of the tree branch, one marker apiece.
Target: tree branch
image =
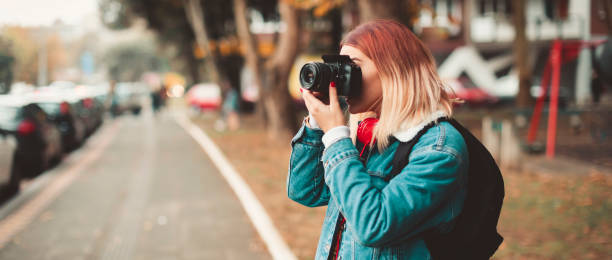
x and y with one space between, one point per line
195 16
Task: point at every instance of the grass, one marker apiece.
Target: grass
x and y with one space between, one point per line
552 217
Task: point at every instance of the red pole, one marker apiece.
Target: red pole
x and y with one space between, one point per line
555 59
537 111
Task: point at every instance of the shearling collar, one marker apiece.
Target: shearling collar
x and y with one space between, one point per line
407 134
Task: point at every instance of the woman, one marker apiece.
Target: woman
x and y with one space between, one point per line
368 217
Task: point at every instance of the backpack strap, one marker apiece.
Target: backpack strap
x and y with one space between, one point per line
400 159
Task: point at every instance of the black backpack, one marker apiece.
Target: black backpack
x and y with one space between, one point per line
474 235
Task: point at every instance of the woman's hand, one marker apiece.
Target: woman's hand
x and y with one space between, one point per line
327 116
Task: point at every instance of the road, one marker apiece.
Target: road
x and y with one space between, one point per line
141 188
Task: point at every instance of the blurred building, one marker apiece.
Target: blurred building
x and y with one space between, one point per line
472 39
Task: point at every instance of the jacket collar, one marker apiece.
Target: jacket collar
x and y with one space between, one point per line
407 134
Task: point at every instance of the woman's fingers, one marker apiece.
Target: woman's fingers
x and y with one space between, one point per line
327 116
315 104
311 101
311 98
317 95
333 96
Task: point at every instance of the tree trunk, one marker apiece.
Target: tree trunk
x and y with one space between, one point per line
607 6
191 61
248 42
195 16
276 105
277 101
521 52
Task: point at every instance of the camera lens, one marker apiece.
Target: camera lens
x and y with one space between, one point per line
316 76
308 75
313 75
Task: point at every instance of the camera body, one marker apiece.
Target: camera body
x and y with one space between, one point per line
316 76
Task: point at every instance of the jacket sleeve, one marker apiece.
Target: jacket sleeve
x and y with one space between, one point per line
403 208
305 182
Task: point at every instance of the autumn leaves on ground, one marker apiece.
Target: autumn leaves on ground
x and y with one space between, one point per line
543 217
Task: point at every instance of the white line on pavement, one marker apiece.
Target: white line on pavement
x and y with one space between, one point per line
256 212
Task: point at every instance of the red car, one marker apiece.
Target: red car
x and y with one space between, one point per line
204 96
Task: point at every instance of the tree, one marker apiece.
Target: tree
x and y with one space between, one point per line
272 75
521 55
166 18
6 73
6 65
607 10
128 61
191 27
206 21
57 57
24 49
195 16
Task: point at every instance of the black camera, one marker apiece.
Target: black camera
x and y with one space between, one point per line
316 76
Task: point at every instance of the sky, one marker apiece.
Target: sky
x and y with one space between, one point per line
45 12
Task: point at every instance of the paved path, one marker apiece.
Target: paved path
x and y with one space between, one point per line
140 189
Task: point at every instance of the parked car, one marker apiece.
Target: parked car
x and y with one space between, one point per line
9 182
128 96
91 111
71 127
84 110
90 105
204 96
39 143
65 116
85 101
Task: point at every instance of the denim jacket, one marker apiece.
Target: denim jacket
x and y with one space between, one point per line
384 220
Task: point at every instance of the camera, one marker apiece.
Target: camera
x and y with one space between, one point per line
316 76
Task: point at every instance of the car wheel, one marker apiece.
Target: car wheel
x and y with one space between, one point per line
13 185
136 111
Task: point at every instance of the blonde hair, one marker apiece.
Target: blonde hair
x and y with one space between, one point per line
411 87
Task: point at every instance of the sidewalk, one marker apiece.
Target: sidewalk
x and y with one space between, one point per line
151 193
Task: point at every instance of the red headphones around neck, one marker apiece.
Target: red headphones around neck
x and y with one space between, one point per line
365 130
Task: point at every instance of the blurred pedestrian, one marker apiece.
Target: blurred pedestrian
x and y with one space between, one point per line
157 99
112 99
229 110
347 168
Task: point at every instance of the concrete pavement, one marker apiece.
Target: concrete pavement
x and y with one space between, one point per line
151 194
